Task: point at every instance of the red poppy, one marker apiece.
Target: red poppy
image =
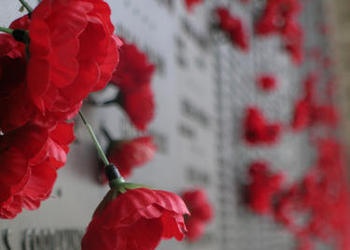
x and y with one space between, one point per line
72 52
16 108
201 213
325 114
134 69
293 41
30 157
329 159
57 144
139 106
302 115
280 17
128 154
234 28
308 113
286 207
263 186
190 4
304 107
257 130
134 220
276 15
267 82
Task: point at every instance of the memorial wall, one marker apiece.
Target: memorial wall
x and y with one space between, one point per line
248 115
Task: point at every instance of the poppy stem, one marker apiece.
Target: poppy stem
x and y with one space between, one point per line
6 30
26 6
94 138
111 171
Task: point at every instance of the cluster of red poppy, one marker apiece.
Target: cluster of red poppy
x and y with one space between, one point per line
315 207
259 131
308 112
50 61
201 213
233 27
44 80
281 17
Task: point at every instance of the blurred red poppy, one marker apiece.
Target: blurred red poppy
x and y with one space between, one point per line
234 28
128 154
257 130
134 69
201 213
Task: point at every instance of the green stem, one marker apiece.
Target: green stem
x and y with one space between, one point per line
6 30
27 6
93 136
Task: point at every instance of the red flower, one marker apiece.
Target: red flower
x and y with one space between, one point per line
280 17
139 106
293 41
302 113
133 78
134 220
72 52
304 107
30 156
257 130
267 82
16 108
263 186
276 15
265 26
287 204
325 114
307 112
190 4
128 154
134 69
201 213
234 28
